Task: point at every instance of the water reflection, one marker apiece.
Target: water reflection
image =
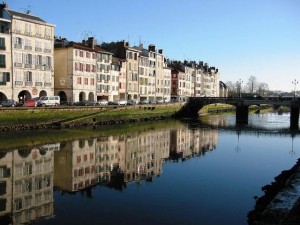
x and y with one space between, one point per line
115 161
31 176
26 184
28 176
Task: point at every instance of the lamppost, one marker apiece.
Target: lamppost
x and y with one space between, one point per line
295 82
239 87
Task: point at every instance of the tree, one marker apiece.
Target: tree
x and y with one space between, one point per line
262 88
251 85
232 90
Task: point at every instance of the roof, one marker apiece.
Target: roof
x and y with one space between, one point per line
26 16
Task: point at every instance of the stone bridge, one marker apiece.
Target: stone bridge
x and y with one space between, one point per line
194 104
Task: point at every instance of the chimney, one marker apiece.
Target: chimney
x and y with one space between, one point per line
151 48
160 51
91 42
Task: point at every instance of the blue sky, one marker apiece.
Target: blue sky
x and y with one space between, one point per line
242 38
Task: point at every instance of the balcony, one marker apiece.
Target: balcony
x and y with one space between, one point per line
38 35
47 84
2 83
28 65
28 83
19 83
28 47
38 49
17 64
2 65
28 33
18 46
2 48
17 31
40 67
47 67
47 37
38 84
47 50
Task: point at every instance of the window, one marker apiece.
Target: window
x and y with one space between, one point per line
28 28
4 77
78 80
2 43
38 60
2 61
28 76
86 81
28 59
47 32
92 81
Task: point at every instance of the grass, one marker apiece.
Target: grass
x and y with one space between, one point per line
80 115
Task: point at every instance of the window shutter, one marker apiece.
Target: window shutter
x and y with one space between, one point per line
7 77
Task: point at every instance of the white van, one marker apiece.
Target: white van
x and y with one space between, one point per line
49 101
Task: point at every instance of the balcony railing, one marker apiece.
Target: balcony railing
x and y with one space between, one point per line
28 47
17 64
28 65
40 67
38 49
19 83
2 65
47 84
28 83
47 67
2 48
18 46
46 50
38 35
38 84
2 83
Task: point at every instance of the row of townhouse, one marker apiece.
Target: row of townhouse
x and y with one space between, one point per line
33 63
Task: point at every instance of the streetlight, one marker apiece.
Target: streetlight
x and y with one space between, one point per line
295 82
239 86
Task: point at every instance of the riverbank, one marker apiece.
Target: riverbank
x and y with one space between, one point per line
280 204
22 119
68 117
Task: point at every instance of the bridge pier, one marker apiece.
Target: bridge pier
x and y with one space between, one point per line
241 114
294 119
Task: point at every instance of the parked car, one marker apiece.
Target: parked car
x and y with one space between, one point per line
31 102
102 102
85 103
49 101
145 101
8 103
122 102
131 102
112 103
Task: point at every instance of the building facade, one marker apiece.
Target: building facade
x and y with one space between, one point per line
30 61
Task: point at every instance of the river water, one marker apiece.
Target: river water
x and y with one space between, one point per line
204 171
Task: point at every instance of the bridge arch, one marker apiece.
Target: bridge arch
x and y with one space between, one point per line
194 104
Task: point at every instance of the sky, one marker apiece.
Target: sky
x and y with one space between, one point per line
241 38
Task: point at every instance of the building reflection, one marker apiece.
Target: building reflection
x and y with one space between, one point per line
117 160
26 184
28 176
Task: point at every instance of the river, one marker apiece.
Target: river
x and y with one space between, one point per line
204 171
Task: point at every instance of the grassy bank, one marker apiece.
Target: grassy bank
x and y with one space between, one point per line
40 116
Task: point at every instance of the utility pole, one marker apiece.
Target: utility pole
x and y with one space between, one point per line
295 82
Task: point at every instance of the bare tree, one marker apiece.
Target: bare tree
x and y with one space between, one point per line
231 88
251 85
262 88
